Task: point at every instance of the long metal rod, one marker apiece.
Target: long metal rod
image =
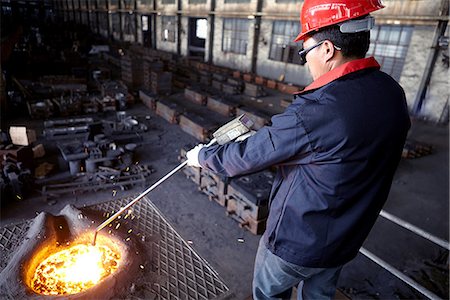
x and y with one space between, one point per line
415 229
113 217
398 274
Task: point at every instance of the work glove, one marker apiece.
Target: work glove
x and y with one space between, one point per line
192 156
245 136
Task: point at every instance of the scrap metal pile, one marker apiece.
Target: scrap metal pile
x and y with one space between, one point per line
100 154
47 100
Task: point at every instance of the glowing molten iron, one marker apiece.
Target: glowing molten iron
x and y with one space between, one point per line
74 269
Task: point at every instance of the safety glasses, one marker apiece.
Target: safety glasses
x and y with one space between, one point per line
304 52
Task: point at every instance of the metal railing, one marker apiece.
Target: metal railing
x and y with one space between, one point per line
397 273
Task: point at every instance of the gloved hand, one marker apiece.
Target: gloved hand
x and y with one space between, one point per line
245 136
192 156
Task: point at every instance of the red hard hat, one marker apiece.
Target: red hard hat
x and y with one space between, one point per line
317 14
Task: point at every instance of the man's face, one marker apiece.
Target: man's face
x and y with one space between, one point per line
314 58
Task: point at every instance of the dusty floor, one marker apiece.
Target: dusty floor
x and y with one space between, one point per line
419 196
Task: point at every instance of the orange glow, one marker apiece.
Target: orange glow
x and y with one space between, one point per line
74 269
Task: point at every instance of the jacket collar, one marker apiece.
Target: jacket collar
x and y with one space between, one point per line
342 70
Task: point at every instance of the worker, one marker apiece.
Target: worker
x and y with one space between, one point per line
336 149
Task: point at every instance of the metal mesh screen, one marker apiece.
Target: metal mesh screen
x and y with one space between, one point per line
10 238
188 275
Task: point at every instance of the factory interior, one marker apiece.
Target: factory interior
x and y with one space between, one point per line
101 100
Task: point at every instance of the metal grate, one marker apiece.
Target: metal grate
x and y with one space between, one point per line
10 237
188 275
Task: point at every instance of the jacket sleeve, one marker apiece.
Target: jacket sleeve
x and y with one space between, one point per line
271 145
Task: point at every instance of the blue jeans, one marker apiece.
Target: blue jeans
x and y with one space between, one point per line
274 278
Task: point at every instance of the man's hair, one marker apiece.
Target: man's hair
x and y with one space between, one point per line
351 44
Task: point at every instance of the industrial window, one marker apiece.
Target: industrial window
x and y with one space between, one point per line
235 35
114 4
282 47
389 44
201 28
103 21
168 28
84 18
237 1
115 19
196 1
101 4
145 2
93 20
129 26
145 23
128 4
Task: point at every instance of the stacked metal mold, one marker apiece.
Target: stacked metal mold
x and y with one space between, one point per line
199 112
254 90
151 65
161 82
245 198
132 71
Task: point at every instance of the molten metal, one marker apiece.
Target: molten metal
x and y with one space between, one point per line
74 269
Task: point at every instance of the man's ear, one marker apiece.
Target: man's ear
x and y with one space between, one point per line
328 50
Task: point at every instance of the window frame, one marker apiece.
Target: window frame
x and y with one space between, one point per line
235 35
286 52
170 26
389 45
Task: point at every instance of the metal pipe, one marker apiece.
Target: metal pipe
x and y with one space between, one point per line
142 195
113 217
416 230
398 274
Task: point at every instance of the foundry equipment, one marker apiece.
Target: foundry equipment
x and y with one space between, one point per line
226 133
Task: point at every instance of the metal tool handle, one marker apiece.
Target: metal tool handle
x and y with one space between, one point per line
113 217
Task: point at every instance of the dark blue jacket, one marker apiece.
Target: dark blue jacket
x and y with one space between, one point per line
337 148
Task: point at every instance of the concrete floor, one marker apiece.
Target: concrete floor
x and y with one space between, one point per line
419 195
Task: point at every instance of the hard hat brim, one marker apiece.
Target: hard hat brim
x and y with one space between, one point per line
300 37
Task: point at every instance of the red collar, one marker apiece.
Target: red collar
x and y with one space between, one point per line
347 68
